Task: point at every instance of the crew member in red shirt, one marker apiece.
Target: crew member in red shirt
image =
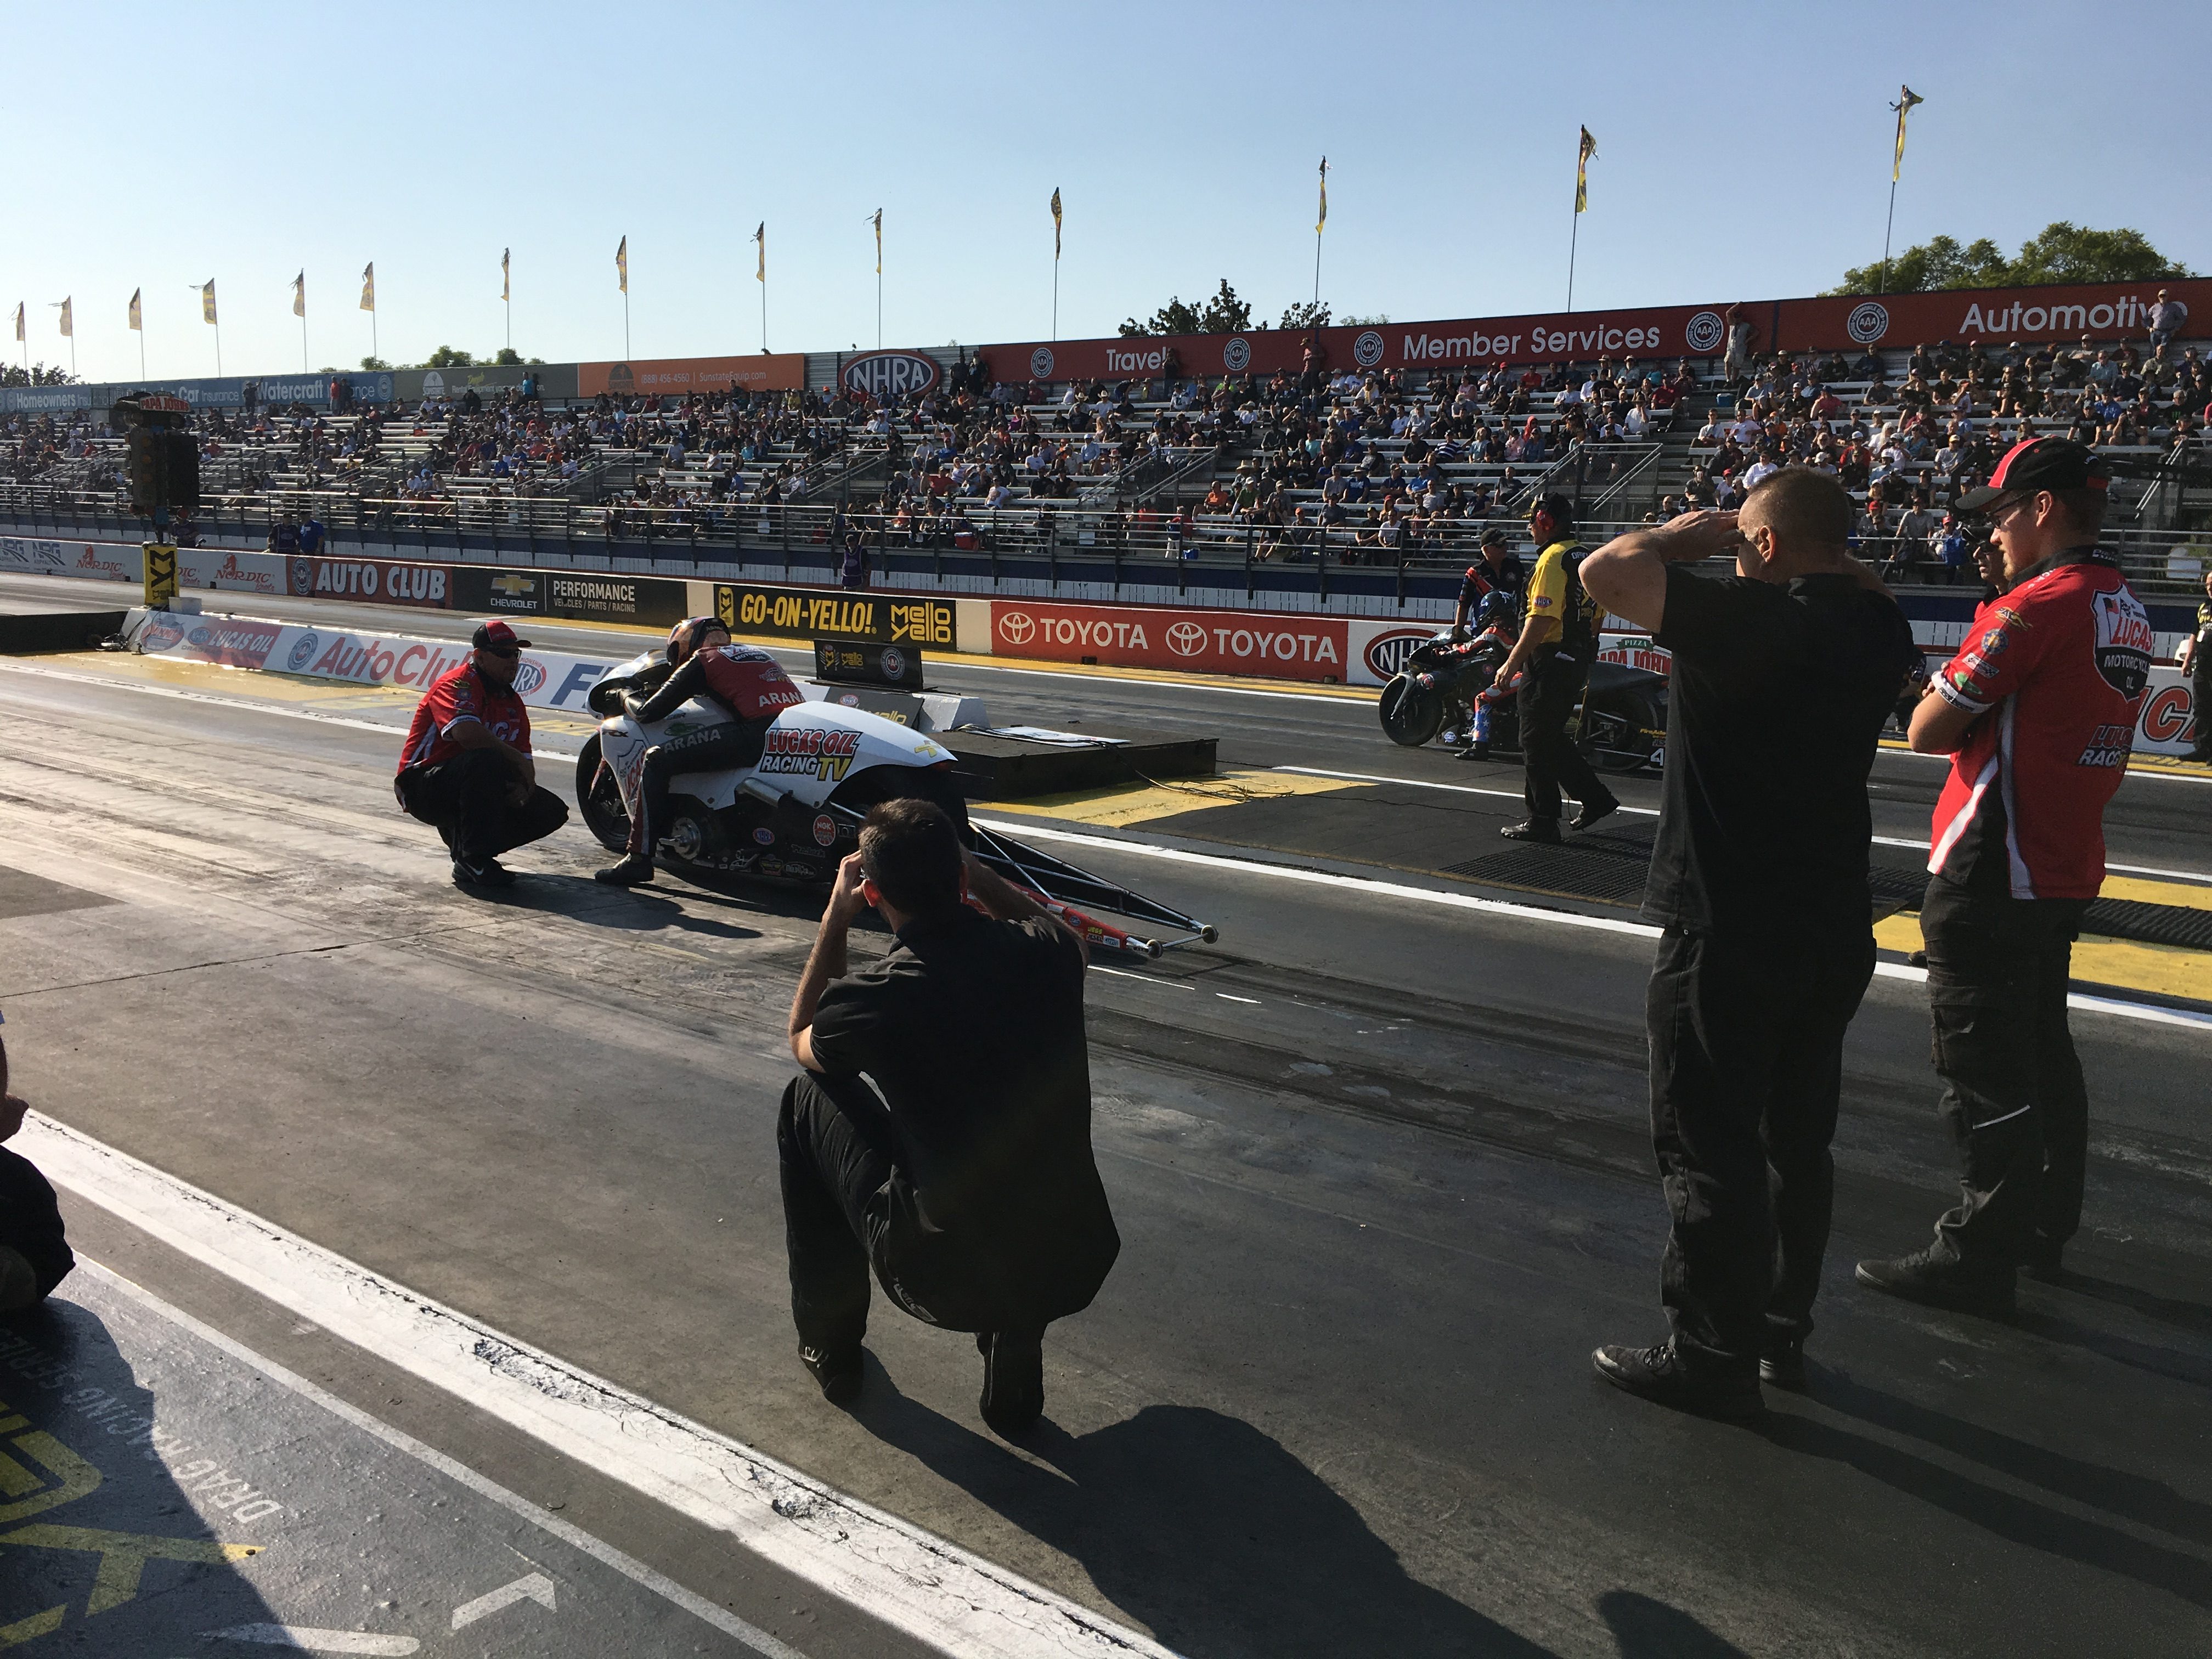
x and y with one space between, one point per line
466 769
2038 713
742 680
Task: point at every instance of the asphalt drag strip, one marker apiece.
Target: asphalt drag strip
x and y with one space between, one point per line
1380 1165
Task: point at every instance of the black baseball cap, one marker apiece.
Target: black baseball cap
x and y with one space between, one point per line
1494 537
2039 464
496 636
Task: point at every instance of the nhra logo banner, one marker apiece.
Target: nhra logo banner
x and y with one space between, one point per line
1141 636
893 375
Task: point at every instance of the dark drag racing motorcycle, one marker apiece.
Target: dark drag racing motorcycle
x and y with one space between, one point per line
1444 685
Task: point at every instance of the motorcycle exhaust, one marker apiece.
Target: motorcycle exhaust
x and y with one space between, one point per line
763 791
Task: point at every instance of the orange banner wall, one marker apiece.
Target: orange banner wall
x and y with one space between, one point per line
668 377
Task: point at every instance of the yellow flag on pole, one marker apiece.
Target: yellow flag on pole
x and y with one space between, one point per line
622 264
1056 221
207 301
137 320
1906 99
1323 219
369 286
299 294
1582 170
759 273
19 319
68 319
505 254
879 241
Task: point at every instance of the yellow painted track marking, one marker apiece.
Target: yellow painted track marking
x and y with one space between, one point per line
2170 970
1122 805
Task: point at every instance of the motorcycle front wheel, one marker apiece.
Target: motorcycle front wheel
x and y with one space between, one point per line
599 798
1411 713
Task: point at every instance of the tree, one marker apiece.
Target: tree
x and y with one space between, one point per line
374 365
508 357
1305 315
1376 321
40 374
2062 252
1225 313
446 357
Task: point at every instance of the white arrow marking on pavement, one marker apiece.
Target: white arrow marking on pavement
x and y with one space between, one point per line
537 1588
315 1641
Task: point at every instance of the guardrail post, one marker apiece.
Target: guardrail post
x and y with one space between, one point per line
1321 567
1251 534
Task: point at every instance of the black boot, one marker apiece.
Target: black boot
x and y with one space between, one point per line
636 870
1013 1379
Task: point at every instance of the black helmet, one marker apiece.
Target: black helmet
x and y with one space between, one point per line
683 638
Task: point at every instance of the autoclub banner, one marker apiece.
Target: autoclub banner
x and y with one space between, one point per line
674 376
2106 311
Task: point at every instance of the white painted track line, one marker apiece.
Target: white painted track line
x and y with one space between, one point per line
918 1583
2142 1011
667 1588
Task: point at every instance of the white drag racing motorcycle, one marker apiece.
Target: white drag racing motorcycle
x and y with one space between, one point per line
790 816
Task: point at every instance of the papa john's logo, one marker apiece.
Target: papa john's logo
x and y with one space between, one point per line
1869 322
1703 331
1185 639
1015 627
528 674
1040 364
1367 349
1387 652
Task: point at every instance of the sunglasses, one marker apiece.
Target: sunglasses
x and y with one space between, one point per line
501 650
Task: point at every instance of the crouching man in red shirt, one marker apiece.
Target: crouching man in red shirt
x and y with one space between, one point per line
2038 713
466 769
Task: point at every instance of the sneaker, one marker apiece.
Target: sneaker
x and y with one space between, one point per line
1783 1365
1659 1376
1605 806
634 869
837 1372
1543 831
1013 1379
492 873
1939 1282
2044 1261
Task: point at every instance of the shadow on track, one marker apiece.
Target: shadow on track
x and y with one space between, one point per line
98 1545
2000 1513
1644 1629
633 910
1202 1528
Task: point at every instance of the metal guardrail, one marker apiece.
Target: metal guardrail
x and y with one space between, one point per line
1077 542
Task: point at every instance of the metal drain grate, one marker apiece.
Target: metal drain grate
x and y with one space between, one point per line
1568 872
2150 924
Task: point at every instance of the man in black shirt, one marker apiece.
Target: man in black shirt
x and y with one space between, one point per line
1783 676
970 1186
34 1256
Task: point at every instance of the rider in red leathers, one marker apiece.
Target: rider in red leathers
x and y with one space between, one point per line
742 680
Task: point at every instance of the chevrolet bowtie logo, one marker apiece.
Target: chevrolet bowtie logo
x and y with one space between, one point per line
514 586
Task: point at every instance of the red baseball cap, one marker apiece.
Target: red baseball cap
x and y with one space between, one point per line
496 636
2039 464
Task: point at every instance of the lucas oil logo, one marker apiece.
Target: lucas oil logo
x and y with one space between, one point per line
2124 642
809 749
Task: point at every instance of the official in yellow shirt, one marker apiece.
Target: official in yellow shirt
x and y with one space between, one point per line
1551 661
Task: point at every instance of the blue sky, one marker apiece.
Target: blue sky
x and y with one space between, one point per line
1742 150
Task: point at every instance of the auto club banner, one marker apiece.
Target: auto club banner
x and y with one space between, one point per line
814 613
674 376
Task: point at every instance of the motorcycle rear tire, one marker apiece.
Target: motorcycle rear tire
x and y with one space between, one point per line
598 800
1620 739
1411 713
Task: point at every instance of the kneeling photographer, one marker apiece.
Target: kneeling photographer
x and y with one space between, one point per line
970 1186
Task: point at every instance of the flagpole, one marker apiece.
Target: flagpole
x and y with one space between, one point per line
1881 285
625 324
1573 235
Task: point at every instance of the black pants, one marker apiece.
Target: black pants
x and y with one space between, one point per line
1549 758
710 749
2013 1094
1747 1065
30 1221
470 800
2200 687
